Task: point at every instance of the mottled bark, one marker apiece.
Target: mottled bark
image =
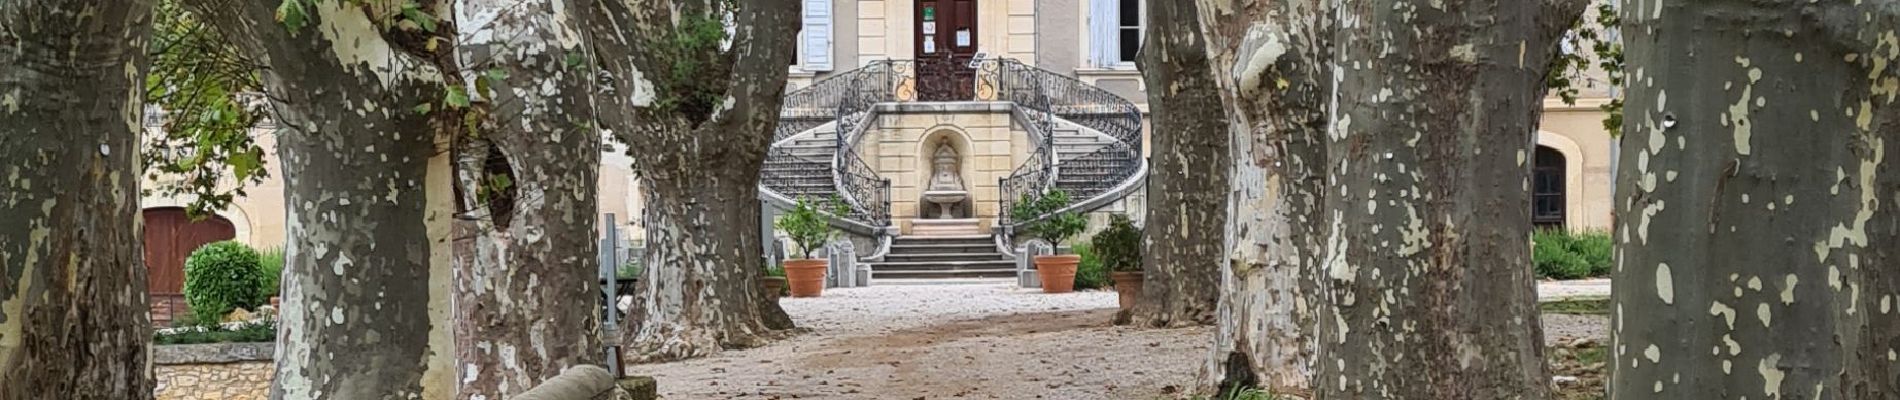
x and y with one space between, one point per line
1187 186
365 287
526 279
1427 269
1270 59
1757 236
73 313
697 120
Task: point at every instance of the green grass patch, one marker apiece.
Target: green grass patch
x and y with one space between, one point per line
1560 254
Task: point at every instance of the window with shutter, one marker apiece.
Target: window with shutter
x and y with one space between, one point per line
1115 29
815 43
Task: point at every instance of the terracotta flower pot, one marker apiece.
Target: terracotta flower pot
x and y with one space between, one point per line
806 276
774 286
1127 287
1057 272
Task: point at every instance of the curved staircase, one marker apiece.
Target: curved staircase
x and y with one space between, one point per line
1087 143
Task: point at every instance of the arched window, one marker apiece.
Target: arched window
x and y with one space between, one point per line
1547 189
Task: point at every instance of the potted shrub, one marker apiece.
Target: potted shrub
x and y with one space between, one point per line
1057 271
774 282
808 230
1119 248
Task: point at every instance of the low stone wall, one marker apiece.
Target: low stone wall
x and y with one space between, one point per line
236 371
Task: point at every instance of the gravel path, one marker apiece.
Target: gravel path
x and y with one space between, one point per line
967 341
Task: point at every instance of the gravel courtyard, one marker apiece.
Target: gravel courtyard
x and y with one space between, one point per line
965 341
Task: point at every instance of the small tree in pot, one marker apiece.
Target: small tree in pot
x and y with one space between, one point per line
808 230
1119 248
1057 271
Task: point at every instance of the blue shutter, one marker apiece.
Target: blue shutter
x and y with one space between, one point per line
816 48
1104 33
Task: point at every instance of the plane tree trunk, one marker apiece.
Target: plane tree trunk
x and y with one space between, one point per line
1270 60
367 264
697 110
526 279
74 320
1187 185
1427 257
1757 236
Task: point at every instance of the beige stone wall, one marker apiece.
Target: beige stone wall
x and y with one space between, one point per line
222 371
901 143
246 380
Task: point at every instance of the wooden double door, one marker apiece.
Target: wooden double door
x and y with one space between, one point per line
946 41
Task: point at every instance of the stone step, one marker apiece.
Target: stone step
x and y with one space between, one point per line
944 227
826 146
942 248
943 257
995 263
902 281
939 277
966 240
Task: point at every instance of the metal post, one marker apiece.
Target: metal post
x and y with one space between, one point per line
609 266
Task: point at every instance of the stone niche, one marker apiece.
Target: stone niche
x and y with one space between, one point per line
947 187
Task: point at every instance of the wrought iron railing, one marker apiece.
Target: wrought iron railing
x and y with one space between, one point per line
1043 95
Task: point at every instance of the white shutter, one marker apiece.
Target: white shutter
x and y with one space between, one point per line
1104 33
817 46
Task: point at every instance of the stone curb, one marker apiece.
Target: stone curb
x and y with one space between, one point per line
212 353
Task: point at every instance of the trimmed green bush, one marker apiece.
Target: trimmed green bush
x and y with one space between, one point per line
1090 273
221 277
1119 246
262 331
1557 254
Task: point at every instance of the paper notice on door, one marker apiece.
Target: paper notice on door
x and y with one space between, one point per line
963 37
930 28
930 46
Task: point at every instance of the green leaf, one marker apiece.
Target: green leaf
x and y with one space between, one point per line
425 108
245 163
291 13
575 59
496 74
423 19
457 97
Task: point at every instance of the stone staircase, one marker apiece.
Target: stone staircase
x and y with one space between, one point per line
801 168
1084 179
942 259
